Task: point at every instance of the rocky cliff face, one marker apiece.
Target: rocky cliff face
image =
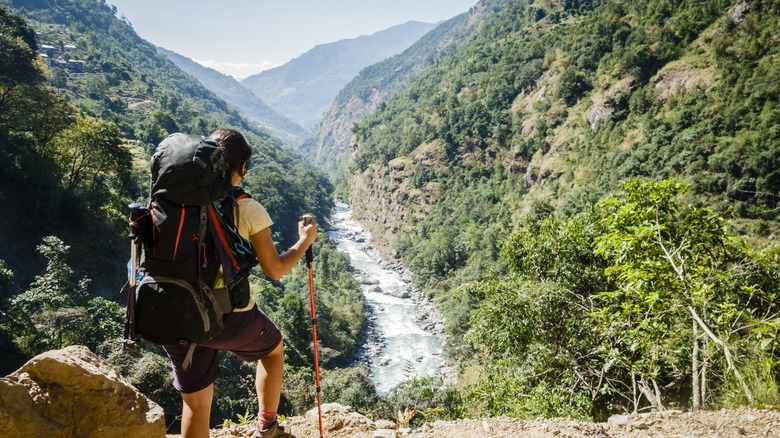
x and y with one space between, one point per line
73 393
384 197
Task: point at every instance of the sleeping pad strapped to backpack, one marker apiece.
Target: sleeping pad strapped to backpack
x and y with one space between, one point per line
189 233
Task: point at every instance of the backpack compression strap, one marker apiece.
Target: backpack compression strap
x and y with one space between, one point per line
188 358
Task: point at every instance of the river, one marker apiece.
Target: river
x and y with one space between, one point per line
398 347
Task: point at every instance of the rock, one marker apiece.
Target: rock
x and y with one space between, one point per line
599 115
385 433
618 421
375 289
73 393
738 12
337 417
385 424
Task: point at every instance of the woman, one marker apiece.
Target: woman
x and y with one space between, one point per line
248 332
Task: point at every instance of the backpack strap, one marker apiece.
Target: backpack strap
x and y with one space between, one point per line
237 193
187 363
202 230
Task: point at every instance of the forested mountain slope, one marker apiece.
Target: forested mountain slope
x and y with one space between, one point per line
104 70
233 92
304 88
549 107
552 104
76 130
328 145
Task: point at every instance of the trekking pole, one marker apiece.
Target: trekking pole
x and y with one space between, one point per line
309 258
137 213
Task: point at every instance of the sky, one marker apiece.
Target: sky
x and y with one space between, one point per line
244 37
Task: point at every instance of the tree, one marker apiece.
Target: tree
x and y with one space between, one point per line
157 125
19 49
60 307
680 284
91 153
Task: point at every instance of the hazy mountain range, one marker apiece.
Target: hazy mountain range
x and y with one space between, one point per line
304 88
233 92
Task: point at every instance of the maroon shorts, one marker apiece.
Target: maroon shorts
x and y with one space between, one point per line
251 335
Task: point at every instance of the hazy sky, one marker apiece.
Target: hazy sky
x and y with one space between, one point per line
244 37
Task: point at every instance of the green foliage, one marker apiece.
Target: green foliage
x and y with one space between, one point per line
632 305
676 264
534 335
538 114
57 311
352 387
419 400
19 49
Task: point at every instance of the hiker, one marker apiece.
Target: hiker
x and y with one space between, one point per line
248 332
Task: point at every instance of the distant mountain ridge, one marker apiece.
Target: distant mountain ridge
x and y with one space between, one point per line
328 144
304 88
229 89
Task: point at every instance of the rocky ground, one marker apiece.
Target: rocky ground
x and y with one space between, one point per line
341 422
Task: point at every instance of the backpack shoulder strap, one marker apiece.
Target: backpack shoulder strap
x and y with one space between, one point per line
238 193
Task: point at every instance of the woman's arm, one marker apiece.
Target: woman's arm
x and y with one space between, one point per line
274 264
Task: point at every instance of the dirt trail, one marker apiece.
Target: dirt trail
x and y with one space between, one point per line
341 422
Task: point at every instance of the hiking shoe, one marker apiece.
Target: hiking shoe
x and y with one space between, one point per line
273 431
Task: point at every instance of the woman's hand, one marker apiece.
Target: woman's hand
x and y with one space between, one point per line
307 233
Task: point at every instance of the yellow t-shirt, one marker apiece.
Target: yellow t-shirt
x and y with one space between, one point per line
252 218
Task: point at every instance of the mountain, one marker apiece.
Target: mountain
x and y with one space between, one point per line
328 145
230 90
304 88
509 140
100 68
559 104
84 103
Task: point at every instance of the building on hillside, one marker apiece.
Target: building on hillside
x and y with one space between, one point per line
69 47
76 65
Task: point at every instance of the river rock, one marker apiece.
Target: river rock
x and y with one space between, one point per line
403 292
375 289
73 393
368 281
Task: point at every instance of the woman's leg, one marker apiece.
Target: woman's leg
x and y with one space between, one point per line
268 383
195 413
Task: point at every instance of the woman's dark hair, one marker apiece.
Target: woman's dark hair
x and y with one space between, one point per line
235 149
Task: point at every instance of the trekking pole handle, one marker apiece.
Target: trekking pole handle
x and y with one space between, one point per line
135 213
307 218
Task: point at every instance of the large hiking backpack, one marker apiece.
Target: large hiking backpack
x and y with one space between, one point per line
190 236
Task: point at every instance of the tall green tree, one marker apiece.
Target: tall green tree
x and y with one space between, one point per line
680 284
91 154
60 307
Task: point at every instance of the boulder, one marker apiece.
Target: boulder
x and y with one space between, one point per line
337 417
73 393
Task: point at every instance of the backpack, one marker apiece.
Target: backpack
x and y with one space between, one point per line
189 234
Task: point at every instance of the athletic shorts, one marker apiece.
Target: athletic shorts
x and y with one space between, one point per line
251 335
